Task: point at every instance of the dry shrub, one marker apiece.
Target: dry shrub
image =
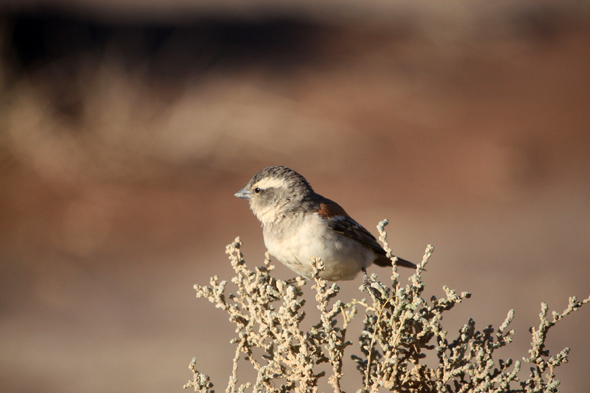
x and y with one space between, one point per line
400 327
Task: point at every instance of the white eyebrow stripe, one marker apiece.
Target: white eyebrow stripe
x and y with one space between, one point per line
270 182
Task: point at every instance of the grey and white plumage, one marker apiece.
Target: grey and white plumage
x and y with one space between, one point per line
299 224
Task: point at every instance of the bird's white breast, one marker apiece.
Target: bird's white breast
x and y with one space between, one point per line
296 241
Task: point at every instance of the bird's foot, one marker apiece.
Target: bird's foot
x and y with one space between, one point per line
366 280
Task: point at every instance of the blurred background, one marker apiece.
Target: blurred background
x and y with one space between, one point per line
127 126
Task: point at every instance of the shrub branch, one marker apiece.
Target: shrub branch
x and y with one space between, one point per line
400 328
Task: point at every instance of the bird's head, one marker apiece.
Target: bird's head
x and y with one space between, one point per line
274 191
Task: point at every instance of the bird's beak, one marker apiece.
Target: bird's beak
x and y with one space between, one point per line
243 193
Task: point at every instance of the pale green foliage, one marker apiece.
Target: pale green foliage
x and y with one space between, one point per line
400 327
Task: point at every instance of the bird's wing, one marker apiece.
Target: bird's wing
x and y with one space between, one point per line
342 223
337 219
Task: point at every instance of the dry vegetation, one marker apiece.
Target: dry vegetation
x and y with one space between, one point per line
400 328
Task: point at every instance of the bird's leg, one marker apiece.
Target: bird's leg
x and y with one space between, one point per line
366 282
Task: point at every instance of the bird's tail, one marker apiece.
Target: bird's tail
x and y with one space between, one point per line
384 261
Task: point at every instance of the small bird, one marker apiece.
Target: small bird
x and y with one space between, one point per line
298 224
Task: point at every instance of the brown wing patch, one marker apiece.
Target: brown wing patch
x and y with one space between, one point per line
342 223
330 209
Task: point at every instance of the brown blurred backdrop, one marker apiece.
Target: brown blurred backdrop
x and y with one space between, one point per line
126 127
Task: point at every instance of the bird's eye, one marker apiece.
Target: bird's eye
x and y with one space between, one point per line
257 190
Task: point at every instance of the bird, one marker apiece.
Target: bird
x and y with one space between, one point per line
299 224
